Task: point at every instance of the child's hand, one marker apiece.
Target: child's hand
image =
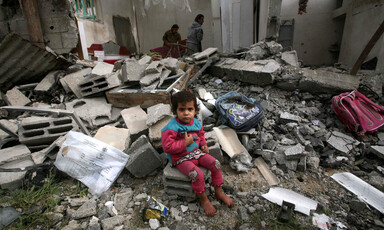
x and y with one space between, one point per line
205 149
188 139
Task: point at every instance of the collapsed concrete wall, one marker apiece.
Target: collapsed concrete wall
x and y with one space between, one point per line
57 22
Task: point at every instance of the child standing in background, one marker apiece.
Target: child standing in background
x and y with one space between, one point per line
183 138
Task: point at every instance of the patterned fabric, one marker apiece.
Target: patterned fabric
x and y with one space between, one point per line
190 156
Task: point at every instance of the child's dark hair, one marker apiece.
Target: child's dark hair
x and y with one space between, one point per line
182 97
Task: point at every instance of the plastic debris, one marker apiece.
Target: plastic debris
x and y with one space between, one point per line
323 222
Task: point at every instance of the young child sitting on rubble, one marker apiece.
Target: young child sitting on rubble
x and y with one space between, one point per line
183 138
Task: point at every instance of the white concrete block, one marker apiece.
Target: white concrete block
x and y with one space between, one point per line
119 138
135 118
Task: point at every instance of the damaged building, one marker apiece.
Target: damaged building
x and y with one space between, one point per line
86 90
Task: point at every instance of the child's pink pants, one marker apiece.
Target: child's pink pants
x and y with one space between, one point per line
190 169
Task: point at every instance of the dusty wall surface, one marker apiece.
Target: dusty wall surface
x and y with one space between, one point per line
151 26
57 22
363 17
96 32
315 31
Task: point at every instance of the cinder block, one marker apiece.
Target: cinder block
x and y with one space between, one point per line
136 119
102 68
177 183
143 158
71 81
16 98
50 151
117 137
95 111
45 131
18 152
215 151
97 84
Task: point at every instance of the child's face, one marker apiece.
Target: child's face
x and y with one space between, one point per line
186 111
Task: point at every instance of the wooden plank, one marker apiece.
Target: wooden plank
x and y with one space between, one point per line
124 98
267 174
31 15
367 49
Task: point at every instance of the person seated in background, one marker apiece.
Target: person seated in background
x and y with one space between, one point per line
171 36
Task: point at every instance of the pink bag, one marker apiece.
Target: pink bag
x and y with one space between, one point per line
360 114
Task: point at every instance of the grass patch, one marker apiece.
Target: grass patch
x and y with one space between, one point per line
34 203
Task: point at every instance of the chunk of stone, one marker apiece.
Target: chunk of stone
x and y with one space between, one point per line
171 64
14 180
145 60
149 78
112 222
205 54
119 138
286 117
136 119
342 142
143 159
122 200
16 98
102 68
10 125
85 210
158 112
294 153
321 81
290 57
132 71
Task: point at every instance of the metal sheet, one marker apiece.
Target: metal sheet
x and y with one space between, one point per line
302 203
21 60
363 190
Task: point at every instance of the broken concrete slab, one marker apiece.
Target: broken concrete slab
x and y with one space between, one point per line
145 60
321 81
132 71
378 150
143 158
149 78
205 53
18 152
71 81
14 157
170 64
294 152
259 72
10 125
290 57
158 112
119 138
95 111
135 119
102 68
99 83
154 67
14 97
163 76
155 129
49 81
342 142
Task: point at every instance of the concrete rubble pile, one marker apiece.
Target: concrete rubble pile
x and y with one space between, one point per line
127 104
